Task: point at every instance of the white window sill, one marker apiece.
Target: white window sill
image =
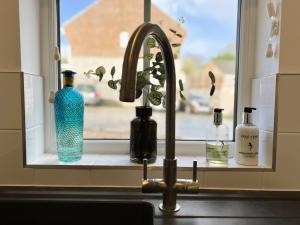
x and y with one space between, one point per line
121 161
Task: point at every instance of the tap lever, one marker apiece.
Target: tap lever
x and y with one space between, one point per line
195 170
145 163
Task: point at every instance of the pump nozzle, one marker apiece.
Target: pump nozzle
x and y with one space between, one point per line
218 110
247 115
249 109
218 116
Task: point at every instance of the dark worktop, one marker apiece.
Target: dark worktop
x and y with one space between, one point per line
210 207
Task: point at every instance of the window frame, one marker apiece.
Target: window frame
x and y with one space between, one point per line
50 39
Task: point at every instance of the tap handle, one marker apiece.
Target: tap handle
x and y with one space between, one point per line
145 163
195 170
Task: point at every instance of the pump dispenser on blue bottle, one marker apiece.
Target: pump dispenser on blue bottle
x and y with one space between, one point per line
69 111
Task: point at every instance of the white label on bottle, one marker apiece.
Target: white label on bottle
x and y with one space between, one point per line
248 145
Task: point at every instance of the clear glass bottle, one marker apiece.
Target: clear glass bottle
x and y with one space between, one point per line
69 111
217 149
143 136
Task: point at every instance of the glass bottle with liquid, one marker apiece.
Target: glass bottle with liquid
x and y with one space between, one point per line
217 147
143 136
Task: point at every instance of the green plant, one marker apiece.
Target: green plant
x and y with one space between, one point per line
152 79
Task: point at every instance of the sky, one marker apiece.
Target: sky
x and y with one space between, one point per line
211 24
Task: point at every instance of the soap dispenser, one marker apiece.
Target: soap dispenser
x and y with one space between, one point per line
217 134
246 140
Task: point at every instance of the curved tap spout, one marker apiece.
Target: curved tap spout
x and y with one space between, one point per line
128 85
169 186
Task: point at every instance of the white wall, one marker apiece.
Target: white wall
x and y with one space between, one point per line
30 36
288 151
13 60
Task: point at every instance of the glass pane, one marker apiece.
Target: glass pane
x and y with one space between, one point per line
95 33
206 31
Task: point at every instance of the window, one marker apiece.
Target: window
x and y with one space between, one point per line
108 118
95 33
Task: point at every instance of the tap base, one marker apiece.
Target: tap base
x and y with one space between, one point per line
161 207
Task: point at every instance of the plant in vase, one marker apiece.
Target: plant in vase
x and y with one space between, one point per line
150 81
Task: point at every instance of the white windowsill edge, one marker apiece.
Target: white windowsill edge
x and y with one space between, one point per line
121 161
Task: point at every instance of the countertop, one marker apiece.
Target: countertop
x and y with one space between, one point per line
210 207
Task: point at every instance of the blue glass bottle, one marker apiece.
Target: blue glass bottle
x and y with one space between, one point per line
69 111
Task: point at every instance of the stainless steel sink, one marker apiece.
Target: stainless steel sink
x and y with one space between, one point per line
73 212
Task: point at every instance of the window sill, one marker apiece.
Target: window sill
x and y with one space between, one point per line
121 161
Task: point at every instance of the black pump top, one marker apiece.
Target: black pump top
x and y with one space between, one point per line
218 118
249 109
218 110
143 111
68 73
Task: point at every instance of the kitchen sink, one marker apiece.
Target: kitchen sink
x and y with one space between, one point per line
73 212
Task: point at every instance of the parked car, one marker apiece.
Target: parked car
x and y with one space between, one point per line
90 94
198 103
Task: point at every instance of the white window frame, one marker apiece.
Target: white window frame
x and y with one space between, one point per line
50 67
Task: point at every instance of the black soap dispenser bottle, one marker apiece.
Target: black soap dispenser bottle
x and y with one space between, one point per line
143 136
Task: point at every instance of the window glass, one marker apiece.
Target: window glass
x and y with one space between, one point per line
206 31
95 33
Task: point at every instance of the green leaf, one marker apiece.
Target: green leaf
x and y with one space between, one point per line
212 90
162 69
142 81
157 64
161 79
112 71
112 84
182 96
155 87
145 74
155 97
176 45
148 56
154 72
156 76
118 81
158 57
100 71
181 85
150 42
173 31
212 77
88 73
179 35
162 82
148 69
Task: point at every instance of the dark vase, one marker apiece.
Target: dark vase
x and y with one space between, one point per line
143 137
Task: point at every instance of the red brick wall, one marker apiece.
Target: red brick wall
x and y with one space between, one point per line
96 31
